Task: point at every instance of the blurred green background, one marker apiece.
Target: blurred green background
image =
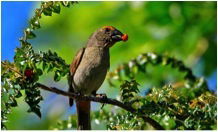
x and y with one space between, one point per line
184 30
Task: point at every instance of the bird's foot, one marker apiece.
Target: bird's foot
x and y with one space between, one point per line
102 95
78 93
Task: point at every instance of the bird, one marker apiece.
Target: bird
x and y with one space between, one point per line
89 68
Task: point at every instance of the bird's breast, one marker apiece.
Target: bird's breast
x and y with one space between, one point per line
92 70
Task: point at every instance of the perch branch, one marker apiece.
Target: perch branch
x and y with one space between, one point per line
101 100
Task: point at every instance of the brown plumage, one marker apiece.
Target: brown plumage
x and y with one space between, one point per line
89 68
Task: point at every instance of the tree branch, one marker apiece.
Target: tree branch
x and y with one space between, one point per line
101 100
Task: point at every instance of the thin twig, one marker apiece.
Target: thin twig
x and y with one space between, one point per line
101 100
11 68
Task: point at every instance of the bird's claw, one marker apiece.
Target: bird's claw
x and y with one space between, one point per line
104 96
78 93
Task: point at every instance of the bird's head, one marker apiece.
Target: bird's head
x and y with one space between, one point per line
106 36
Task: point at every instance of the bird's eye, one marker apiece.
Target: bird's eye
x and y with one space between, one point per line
107 29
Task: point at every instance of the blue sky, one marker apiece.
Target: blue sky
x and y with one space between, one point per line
15 17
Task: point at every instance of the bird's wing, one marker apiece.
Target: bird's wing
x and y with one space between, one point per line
73 66
76 61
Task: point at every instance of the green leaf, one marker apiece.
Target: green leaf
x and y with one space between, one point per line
19 94
29 34
4 96
137 105
35 23
12 102
38 13
50 67
65 3
56 8
74 2
44 65
35 110
57 76
39 72
47 11
168 122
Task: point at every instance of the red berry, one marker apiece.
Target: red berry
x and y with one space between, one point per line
28 73
125 37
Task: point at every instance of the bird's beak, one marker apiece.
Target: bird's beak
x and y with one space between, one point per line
118 36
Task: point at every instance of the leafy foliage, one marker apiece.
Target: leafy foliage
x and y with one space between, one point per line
28 66
169 106
174 107
132 68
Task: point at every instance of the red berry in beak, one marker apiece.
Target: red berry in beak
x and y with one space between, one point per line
124 37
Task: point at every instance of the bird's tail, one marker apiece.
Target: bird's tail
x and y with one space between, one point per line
70 99
71 89
83 114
